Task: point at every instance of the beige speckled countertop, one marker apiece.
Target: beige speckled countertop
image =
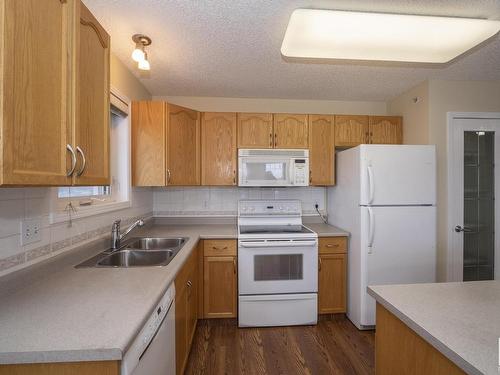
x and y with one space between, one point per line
92 314
461 320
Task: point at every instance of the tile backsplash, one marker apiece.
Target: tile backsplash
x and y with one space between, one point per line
223 201
17 204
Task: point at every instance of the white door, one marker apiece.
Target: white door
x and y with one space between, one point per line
399 247
473 211
397 175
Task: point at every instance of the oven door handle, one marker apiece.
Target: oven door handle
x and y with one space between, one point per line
278 244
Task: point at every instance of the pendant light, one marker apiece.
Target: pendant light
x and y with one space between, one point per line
139 54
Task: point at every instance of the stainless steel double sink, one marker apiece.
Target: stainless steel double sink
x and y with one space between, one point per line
138 252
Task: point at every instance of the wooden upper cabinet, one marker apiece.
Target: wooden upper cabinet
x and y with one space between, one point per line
92 101
36 92
218 148
386 130
321 150
148 143
351 130
183 146
255 130
290 131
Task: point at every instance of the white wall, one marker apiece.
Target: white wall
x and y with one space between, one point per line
216 104
413 105
17 204
223 201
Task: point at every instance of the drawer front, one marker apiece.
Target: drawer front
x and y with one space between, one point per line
333 245
214 248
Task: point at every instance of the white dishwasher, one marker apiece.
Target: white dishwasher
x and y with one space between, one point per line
153 350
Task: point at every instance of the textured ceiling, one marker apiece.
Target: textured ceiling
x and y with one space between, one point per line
231 48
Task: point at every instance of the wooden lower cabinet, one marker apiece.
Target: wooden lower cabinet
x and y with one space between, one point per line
220 279
186 310
76 368
400 350
332 275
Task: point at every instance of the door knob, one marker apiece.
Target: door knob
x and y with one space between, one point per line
464 229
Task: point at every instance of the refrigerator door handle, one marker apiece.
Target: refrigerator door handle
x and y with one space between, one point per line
370 184
371 229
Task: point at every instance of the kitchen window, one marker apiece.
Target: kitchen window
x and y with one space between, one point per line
71 202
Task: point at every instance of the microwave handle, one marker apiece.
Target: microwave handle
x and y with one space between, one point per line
291 171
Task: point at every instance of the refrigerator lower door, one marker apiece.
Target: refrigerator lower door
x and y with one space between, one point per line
398 247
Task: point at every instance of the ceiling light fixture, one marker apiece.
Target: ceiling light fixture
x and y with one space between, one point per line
329 34
139 54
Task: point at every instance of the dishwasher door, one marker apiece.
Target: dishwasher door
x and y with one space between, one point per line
159 356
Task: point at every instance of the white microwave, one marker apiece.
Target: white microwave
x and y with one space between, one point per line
273 167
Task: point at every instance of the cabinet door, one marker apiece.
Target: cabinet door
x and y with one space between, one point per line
220 287
386 130
148 143
321 150
36 92
181 346
255 130
92 101
183 146
218 147
192 306
332 283
290 131
351 130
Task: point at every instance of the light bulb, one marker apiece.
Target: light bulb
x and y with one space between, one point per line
144 64
138 54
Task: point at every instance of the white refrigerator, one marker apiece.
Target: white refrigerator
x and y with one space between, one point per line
386 198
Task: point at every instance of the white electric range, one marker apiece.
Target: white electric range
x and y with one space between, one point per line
277 265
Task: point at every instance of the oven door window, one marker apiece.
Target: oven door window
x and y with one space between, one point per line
278 267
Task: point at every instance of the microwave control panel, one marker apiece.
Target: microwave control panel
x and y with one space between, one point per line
301 172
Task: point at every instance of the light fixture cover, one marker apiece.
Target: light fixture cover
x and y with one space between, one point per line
138 54
329 34
144 63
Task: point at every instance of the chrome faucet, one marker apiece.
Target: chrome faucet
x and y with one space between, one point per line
116 236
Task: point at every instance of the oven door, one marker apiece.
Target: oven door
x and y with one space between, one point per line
265 171
277 266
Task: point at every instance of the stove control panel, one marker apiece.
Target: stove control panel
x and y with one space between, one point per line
269 207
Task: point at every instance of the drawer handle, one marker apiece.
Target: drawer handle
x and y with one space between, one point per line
219 248
332 245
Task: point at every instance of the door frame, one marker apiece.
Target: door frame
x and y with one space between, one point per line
454 258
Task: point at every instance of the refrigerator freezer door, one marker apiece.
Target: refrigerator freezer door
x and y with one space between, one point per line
403 250
397 175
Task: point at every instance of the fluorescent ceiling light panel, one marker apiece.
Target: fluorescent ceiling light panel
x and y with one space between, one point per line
328 34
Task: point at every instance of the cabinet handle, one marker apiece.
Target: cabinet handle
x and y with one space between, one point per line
73 160
270 139
84 161
234 265
189 283
219 248
168 175
310 177
234 176
275 139
332 245
320 263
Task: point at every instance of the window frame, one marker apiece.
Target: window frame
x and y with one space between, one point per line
119 198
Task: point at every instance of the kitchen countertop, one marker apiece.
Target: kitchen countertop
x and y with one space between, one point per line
92 314
326 230
461 320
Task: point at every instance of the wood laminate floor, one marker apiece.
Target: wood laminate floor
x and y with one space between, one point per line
334 346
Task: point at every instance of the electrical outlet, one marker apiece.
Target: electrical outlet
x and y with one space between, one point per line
31 231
